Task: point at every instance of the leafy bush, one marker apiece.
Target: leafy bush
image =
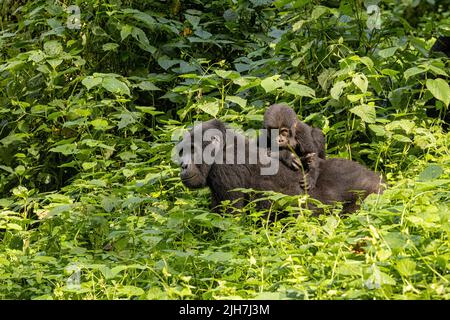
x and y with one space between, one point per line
89 116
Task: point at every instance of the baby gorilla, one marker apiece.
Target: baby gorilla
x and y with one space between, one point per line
299 137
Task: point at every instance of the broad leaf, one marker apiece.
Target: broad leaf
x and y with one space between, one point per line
440 90
115 86
365 112
299 90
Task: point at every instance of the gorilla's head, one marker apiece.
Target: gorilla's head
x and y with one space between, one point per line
200 148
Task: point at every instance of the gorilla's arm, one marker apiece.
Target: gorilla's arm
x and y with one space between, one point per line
309 140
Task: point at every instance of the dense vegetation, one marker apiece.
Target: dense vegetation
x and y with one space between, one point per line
92 104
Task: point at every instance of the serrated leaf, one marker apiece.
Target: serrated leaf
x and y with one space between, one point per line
147 86
125 120
125 31
360 80
110 46
299 90
337 89
218 256
115 86
54 62
440 89
53 48
365 112
99 124
271 83
388 52
377 129
401 138
238 100
431 172
146 18
65 149
149 110
412 72
406 267
142 39
130 291
89 165
211 108
13 226
167 63
90 82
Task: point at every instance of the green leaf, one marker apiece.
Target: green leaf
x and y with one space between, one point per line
299 90
377 129
125 120
130 291
365 112
8 169
89 165
271 83
53 48
99 124
146 18
360 80
218 256
238 100
401 138
350 268
406 267
337 89
125 31
412 72
142 39
431 172
149 110
440 89
388 52
110 46
167 63
147 86
54 62
227 74
193 20
211 108
115 86
65 149
20 170
13 226
90 82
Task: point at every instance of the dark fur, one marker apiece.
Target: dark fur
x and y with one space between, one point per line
337 178
302 138
442 44
343 180
221 178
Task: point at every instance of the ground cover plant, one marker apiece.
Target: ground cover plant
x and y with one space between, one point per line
95 94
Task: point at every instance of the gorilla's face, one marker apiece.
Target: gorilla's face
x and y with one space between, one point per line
192 175
197 152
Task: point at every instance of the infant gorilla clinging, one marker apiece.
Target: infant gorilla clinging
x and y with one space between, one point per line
326 180
302 139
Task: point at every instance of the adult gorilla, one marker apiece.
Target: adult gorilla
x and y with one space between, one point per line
236 165
207 159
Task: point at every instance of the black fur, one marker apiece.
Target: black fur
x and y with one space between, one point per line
222 178
303 139
337 180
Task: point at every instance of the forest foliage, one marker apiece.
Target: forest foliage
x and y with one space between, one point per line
94 95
